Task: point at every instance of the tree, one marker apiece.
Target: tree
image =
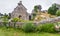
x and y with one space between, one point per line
58 13
9 16
6 16
52 10
5 19
15 20
35 8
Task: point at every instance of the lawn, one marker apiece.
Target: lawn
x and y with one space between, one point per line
12 32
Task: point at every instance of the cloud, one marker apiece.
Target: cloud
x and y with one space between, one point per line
7 6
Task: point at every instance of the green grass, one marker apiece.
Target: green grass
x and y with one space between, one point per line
14 32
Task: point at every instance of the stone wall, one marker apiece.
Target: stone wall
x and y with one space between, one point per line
50 20
20 12
11 24
19 24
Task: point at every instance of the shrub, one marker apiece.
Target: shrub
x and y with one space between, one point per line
58 13
5 23
5 20
28 27
46 28
38 28
15 20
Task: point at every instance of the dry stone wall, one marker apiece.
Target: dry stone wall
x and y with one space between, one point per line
19 24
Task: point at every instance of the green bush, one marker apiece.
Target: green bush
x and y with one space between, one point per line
38 28
28 27
48 27
58 13
5 23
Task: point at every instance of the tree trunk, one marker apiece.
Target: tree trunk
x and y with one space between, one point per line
14 24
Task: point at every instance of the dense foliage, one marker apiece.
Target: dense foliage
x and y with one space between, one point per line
52 10
29 27
35 8
5 19
46 28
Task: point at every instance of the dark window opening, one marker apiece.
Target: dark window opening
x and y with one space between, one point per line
29 17
19 16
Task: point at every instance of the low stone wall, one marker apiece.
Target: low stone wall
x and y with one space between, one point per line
49 20
19 24
11 24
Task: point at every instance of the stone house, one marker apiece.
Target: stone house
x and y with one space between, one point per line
20 11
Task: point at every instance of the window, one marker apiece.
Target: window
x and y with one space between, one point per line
20 16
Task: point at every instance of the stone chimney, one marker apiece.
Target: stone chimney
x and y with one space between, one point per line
20 3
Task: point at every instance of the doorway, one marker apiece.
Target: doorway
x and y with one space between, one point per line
29 17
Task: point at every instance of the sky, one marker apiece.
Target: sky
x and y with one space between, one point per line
7 6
